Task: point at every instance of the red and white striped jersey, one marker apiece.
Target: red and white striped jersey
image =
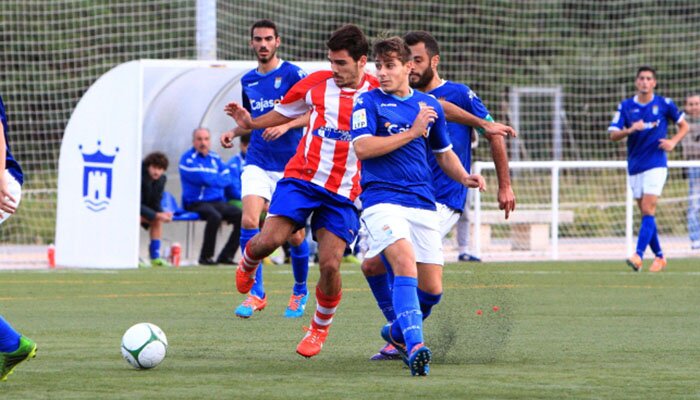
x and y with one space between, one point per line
325 155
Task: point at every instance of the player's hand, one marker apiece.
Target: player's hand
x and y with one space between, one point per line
499 129
240 114
475 181
8 203
506 200
667 145
637 126
226 139
274 132
426 116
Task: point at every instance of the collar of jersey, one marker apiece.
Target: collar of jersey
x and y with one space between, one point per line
271 71
653 96
408 96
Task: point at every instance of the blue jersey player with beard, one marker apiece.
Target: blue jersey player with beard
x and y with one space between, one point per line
268 153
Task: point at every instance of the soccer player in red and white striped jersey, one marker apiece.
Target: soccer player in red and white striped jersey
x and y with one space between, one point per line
321 179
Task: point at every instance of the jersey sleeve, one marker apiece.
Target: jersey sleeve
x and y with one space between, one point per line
293 104
364 117
618 122
672 112
474 105
438 137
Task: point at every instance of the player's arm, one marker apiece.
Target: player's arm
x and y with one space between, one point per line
670 144
450 164
618 134
506 197
244 119
370 146
276 131
454 113
618 127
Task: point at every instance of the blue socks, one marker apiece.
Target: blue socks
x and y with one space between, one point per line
654 242
648 236
407 308
427 301
154 249
9 338
379 285
300 267
258 288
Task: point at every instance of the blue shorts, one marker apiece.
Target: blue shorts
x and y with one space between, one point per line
297 199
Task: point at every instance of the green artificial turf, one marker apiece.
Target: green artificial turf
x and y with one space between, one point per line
559 330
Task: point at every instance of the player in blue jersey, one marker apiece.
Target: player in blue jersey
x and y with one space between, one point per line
450 195
14 347
268 153
643 120
394 128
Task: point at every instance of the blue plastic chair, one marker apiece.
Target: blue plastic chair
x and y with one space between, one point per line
169 204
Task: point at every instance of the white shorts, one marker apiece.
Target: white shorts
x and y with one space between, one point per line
448 218
259 182
648 182
15 190
388 223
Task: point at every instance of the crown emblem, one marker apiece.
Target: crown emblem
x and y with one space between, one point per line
98 157
97 178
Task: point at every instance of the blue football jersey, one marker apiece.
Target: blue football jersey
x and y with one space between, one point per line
447 191
11 164
643 152
402 176
260 94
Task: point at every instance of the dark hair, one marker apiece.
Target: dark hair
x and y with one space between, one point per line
351 38
245 138
264 23
393 46
645 68
156 159
431 45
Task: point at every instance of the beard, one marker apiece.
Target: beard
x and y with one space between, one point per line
423 79
266 59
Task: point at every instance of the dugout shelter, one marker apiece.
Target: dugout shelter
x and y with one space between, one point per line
133 109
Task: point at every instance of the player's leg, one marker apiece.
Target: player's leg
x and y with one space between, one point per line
654 181
274 233
380 281
290 206
426 240
14 348
694 207
155 233
253 206
335 224
213 218
328 292
300 269
634 261
256 191
463 234
408 327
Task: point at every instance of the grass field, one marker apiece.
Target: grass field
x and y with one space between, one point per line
562 330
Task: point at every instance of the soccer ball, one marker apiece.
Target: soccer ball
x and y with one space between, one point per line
144 345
